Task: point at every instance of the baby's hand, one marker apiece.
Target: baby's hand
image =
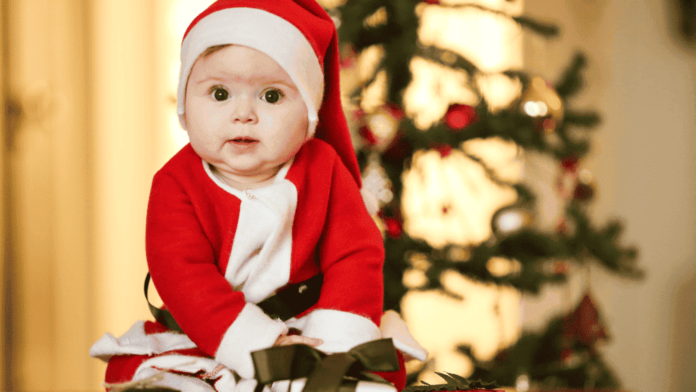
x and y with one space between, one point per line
286 340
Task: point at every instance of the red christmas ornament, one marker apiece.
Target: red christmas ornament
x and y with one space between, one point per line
395 110
570 164
431 1
443 149
399 149
347 57
583 325
367 135
358 114
583 192
460 116
394 228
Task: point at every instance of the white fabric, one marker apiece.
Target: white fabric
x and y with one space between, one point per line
260 260
253 330
265 32
212 370
339 330
135 341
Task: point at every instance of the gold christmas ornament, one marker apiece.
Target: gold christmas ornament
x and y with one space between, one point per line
540 99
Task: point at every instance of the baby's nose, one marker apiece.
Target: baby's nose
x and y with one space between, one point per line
244 111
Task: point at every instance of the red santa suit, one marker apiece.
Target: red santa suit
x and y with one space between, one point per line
214 252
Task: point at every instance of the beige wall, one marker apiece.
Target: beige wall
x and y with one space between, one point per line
644 163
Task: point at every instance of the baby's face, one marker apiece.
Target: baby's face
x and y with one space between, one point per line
244 114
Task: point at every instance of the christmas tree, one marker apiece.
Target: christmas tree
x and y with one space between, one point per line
394 147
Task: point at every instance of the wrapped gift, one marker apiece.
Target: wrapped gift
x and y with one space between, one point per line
454 383
320 372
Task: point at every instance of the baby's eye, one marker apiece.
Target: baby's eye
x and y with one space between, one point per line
219 94
272 95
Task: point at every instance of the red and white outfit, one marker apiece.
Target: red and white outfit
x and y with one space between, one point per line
214 251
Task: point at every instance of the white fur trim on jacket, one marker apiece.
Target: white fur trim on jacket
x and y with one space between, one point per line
252 330
136 342
339 330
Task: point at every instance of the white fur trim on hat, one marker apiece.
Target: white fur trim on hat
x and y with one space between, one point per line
265 32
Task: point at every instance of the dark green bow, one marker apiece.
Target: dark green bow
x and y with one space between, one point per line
325 373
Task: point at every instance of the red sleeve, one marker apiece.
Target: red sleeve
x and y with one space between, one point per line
351 252
182 262
351 256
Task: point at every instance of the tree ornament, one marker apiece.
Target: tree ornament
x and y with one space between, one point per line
443 149
584 189
548 126
367 135
432 2
393 227
376 181
540 99
347 56
459 116
511 219
570 164
398 150
583 192
382 124
583 325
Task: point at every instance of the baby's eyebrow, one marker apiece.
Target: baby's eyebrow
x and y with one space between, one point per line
261 80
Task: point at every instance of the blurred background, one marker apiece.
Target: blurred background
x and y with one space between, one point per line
89 90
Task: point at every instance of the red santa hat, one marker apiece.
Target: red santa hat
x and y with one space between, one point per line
301 37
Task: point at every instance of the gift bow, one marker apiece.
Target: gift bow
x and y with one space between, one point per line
324 372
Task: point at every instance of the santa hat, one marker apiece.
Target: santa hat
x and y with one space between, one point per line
301 37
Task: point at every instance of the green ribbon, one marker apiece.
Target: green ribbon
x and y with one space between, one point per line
326 373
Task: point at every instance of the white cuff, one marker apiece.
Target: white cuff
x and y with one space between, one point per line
339 330
252 330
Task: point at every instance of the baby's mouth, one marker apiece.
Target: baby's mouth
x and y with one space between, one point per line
244 140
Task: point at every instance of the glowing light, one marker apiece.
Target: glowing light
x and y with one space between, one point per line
382 125
455 181
441 322
414 278
499 266
510 221
585 176
535 108
522 383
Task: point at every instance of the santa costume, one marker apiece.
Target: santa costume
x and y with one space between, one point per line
215 252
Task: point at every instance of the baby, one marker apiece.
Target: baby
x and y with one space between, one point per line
257 233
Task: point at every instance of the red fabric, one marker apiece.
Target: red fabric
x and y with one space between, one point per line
122 368
191 224
319 29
